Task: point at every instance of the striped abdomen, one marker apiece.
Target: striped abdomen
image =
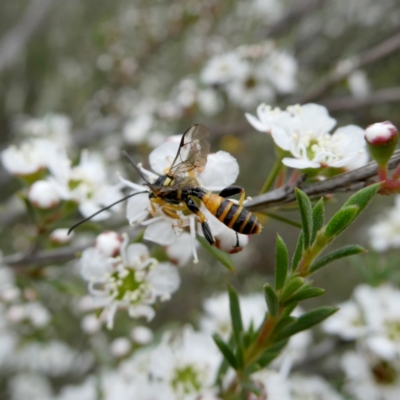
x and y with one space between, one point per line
232 215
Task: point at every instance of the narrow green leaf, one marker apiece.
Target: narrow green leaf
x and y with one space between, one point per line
304 293
340 221
306 321
236 315
292 286
282 219
305 214
225 350
271 300
345 251
362 198
283 323
281 263
298 252
318 216
221 256
240 351
270 354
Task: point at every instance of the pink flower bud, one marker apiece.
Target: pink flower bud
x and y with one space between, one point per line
380 133
109 243
43 194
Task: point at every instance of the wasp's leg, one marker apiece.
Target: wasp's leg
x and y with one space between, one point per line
171 209
193 207
231 191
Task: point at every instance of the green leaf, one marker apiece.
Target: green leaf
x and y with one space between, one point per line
221 256
306 321
304 293
298 252
283 323
270 354
340 221
305 214
236 315
225 350
362 198
318 215
345 251
281 263
271 300
292 286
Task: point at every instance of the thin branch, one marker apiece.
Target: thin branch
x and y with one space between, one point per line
345 67
344 103
17 38
349 181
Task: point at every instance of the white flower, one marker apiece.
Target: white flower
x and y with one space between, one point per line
221 171
222 68
217 317
90 324
186 364
87 185
109 243
44 194
358 84
385 233
33 156
303 131
132 281
136 130
371 378
274 386
120 347
209 101
85 391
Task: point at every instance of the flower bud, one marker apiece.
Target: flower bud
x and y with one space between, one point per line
61 236
141 335
90 324
109 243
43 194
120 347
230 241
382 139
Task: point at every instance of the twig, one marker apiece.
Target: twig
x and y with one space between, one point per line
16 39
349 181
344 103
345 67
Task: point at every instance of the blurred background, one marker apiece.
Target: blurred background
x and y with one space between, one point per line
113 75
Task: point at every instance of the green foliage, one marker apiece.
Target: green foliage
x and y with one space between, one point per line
281 262
340 221
305 209
219 255
318 216
271 299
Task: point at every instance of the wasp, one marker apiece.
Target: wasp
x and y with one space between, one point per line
178 189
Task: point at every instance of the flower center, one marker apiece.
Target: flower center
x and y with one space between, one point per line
128 284
384 373
250 82
186 380
393 330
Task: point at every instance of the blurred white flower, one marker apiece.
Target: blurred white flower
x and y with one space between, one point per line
87 390
221 171
274 385
87 185
120 347
385 233
90 324
44 194
32 386
109 243
132 281
217 317
141 335
222 68
136 130
312 388
303 131
358 84
55 127
186 364
209 101
369 378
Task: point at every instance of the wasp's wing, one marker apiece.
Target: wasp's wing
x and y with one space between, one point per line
192 153
181 183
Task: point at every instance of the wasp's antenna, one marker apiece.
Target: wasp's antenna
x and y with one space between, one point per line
136 167
104 209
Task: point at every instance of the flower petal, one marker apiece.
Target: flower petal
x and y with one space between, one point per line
164 280
136 254
137 206
299 164
162 157
160 232
221 170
